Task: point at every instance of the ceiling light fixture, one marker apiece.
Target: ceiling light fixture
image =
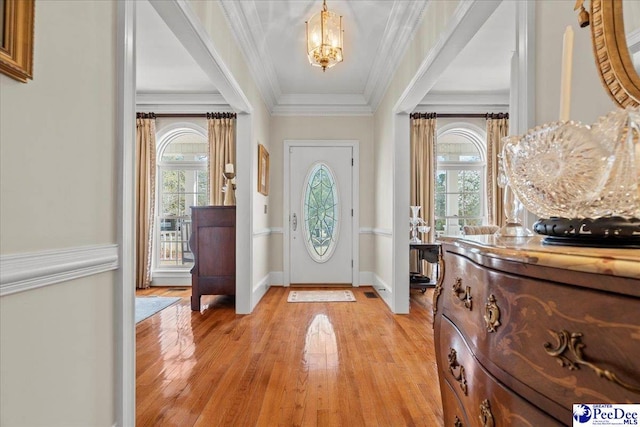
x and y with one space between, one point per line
324 38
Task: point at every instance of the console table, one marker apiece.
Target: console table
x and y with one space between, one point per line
523 331
432 253
213 243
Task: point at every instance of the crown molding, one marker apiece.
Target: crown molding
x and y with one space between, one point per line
181 102
242 17
179 98
322 105
401 27
500 99
321 110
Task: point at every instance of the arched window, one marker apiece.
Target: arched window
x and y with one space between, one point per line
183 182
460 178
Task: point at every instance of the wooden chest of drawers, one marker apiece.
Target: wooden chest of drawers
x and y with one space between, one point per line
523 331
213 243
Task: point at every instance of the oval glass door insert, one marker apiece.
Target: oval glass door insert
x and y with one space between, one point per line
320 212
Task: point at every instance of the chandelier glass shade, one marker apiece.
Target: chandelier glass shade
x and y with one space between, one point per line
324 39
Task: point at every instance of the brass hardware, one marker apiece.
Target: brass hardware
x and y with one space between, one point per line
583 15
573 342
460 377
438 289
486 417
492 314
466 293
457 422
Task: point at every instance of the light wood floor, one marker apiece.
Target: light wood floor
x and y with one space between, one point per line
287 364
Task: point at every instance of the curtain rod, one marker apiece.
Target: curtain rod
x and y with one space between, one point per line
203 115
460 115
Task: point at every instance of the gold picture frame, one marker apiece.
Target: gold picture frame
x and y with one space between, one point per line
16 38
263 170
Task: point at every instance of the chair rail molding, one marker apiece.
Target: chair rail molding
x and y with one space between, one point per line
32 270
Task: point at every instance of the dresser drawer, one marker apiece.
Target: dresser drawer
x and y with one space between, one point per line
454 415
484 398
463 296
565 341
546 339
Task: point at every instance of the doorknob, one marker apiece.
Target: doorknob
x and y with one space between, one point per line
294 222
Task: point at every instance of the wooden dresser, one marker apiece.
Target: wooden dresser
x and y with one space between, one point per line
525 330
213 243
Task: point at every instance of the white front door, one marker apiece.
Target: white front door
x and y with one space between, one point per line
321 214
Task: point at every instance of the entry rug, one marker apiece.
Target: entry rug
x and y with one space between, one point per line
321 296
148 306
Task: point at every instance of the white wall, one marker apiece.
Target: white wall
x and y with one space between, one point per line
589 99
58 183
358 128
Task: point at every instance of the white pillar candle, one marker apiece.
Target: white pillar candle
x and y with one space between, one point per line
228 168
565 79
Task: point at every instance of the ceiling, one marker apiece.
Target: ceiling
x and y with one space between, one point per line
271 34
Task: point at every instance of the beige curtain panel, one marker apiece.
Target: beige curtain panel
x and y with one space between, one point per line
422 173
145 195
222 150
497 128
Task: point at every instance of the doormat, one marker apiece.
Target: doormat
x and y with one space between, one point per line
321 296
370 294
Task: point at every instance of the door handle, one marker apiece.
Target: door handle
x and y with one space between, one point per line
294 222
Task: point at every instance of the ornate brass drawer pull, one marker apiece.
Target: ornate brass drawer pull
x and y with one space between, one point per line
460 376
466 293
573 342
491 314
457 422
486 417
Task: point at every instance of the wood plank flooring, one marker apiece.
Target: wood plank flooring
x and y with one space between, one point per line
287 364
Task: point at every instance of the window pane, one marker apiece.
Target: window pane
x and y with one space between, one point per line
457 151
320 213
186 147
170 205
202 188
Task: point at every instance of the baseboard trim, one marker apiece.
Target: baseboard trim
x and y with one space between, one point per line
259 290
32 270
383 290
171 278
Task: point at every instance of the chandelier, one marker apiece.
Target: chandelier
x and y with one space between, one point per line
324 38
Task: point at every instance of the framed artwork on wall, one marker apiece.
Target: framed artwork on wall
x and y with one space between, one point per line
16 38
263 170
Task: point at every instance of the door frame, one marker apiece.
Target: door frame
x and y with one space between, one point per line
355 198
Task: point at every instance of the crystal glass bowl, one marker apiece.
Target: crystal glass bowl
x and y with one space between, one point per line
572 170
